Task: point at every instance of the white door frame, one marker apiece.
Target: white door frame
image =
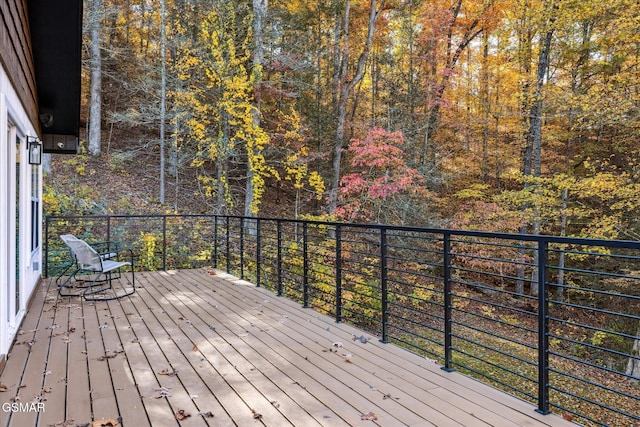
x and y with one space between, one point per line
15 271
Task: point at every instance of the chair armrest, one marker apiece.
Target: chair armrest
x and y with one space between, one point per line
127 255
107 249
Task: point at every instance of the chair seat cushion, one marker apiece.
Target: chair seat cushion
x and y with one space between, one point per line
108 265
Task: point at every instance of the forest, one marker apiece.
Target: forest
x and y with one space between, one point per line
517 116
498 115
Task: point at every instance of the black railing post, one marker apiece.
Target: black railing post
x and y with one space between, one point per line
383 284
258 252
228 248
164 243
46 246
242 248
215 241
338 273
543 326
279 250
305 266
109 228
446 277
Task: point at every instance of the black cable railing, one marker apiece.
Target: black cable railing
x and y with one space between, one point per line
552 320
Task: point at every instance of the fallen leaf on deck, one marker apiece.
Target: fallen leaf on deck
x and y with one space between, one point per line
195 348
181 415
275 404
4 387
361 338
164 392
567 416
337 344
68 423
369 416
105 423
206 414
107 356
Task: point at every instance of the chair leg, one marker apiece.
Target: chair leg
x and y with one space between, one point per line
90 290
71 264
66 284
88 296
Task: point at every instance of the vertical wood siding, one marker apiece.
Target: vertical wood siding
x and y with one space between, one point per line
15 53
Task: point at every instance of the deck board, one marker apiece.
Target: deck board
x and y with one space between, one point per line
211 344
336 373
78 390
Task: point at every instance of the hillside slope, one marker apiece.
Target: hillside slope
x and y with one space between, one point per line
122 182
110 184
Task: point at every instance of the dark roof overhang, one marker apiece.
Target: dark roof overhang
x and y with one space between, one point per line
56 36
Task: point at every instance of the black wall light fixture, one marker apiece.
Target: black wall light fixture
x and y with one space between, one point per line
35 150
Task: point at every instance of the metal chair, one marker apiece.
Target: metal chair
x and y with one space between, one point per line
97 267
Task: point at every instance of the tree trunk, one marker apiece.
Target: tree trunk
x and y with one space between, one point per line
95 65
223 206
633 365
259 13
345 90
559 292
163 108
535 135
484 99
452 55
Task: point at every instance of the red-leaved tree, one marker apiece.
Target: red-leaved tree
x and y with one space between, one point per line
383 187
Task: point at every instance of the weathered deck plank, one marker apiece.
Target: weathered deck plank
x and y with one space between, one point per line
220 346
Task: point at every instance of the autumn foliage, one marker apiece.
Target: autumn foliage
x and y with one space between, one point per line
381 182
407 112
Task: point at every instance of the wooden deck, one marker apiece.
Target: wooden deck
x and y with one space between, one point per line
221 352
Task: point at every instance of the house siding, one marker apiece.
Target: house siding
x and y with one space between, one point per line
15 54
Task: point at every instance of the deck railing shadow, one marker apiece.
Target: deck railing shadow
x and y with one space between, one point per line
552 320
